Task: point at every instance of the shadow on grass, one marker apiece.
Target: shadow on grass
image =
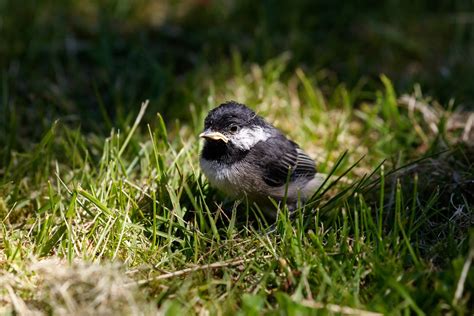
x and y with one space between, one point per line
96 61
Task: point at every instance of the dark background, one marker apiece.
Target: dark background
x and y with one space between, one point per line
91 63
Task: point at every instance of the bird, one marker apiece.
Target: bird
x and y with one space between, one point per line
246 157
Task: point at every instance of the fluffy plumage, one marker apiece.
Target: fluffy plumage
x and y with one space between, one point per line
244 156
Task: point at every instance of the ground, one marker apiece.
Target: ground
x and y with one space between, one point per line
105 210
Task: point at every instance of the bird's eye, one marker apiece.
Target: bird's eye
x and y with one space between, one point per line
234 128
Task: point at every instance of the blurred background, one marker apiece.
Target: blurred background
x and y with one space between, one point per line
92 62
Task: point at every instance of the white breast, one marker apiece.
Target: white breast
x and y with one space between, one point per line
222 176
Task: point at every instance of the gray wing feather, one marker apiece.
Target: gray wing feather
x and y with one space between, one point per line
282 159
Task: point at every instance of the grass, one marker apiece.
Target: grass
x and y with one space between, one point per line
76 202
104 209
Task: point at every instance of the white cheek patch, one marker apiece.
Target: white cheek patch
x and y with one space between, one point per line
246 138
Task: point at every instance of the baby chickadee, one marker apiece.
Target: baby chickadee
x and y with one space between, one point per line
244 156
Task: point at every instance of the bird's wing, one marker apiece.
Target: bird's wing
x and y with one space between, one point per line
283 160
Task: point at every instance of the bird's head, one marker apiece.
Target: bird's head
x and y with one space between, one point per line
234 126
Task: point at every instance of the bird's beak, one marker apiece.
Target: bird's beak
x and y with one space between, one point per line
214 136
